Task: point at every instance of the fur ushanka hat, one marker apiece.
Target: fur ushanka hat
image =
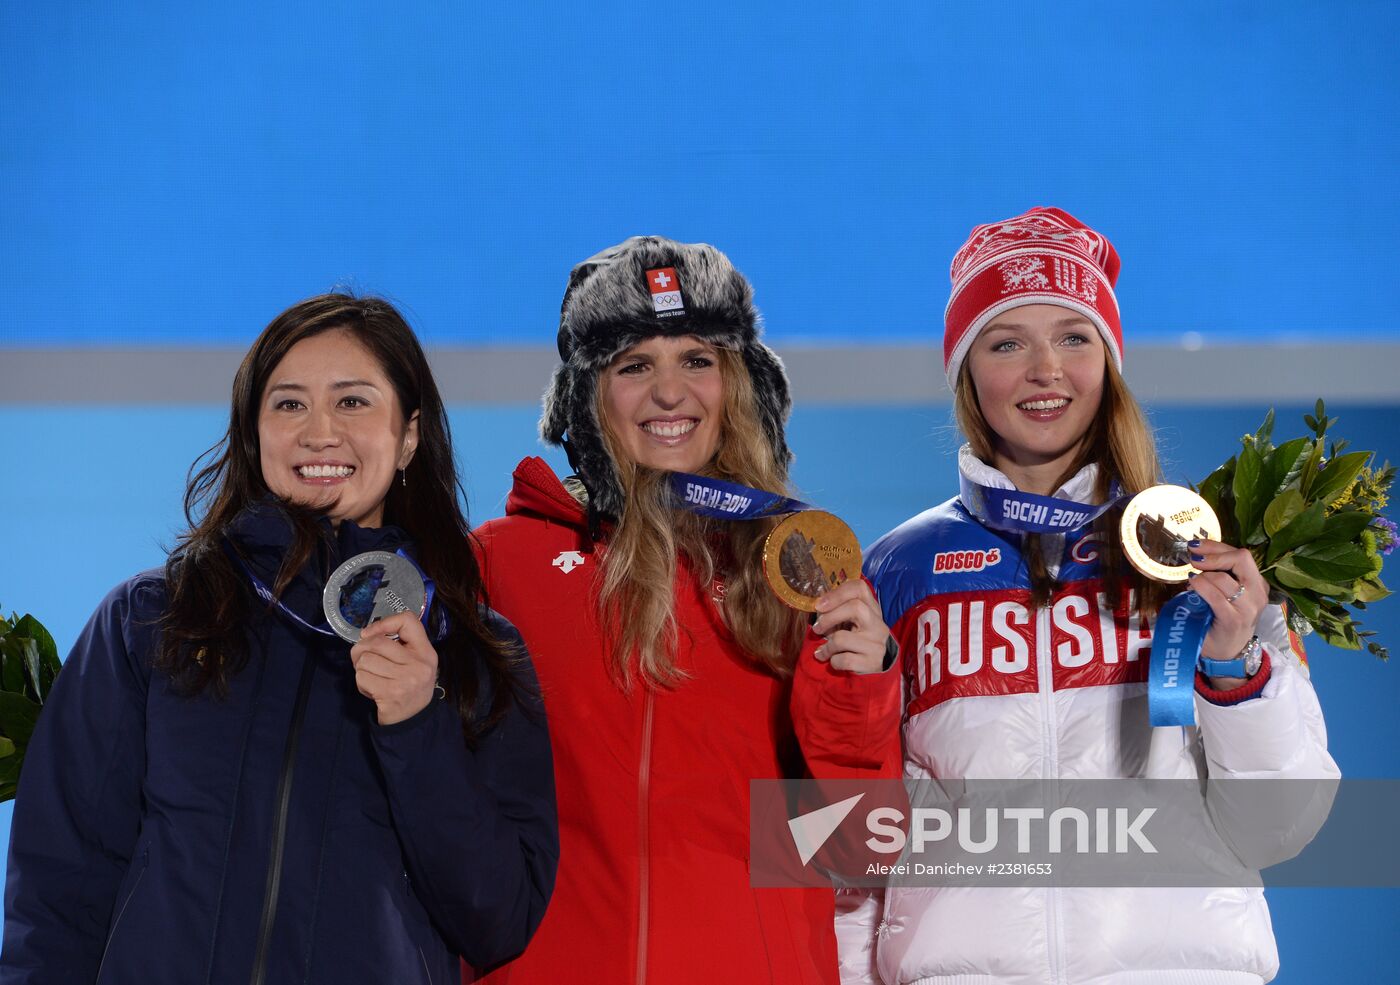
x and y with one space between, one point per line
647 286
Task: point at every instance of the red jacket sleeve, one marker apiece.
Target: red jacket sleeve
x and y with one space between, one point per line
847 724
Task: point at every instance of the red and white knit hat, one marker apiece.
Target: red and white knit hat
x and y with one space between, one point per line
1046 256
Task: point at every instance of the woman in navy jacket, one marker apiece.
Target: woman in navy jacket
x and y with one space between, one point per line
220 790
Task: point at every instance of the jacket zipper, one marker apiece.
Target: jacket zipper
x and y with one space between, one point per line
279 835
644 839
1045 673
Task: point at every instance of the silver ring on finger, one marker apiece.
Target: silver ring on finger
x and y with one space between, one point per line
1238 592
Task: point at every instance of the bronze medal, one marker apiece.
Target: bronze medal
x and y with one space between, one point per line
1158 527
808 554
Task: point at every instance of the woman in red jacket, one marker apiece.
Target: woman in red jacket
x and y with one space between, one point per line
671 675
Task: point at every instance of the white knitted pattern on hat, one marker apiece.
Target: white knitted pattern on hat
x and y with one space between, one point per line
1041 228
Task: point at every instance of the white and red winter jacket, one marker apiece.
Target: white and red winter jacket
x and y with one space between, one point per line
997 689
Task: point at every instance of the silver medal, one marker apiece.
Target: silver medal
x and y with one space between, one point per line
371 586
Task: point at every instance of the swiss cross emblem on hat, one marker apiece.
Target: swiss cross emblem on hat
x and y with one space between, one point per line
665 288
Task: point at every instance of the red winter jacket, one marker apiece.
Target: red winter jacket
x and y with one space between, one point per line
653 786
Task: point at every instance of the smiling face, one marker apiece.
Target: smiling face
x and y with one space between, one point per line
663 399
331 430
1038 372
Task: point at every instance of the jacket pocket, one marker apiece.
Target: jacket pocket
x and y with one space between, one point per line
422 957
121 909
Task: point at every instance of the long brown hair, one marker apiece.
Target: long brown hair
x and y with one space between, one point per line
204 644
1120 442
652 539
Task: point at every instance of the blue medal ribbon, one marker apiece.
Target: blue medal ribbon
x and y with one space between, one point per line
265 593
1177 640
1027 513
728 500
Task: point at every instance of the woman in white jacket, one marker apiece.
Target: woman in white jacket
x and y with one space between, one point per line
1026 653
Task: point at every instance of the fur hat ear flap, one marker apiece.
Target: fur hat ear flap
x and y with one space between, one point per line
771 395
554 421
588 451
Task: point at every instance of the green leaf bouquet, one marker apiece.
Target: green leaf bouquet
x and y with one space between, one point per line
28 665
1310 513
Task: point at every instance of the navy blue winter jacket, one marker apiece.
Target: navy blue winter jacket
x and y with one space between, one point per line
142 848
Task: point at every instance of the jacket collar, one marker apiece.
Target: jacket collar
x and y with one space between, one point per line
262 533
1079 487
263 526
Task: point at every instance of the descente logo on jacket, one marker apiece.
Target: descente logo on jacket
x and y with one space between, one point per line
969 644
568 560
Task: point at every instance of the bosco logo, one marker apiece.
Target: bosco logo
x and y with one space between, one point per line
965 560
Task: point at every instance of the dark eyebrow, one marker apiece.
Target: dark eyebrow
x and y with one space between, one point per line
347 384
338 385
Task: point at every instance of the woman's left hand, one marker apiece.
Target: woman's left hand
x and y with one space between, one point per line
1234 589
855 631
398 675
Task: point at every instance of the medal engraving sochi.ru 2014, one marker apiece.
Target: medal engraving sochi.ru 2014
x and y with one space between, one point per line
808 554
1158 526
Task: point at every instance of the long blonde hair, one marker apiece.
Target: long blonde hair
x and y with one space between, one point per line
1120 442
652 540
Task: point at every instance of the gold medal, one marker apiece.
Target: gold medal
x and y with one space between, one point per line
807 555
1158 527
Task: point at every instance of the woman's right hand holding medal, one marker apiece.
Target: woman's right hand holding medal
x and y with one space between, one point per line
395 666
856 635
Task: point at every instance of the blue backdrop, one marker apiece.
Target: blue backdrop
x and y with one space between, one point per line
178 172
